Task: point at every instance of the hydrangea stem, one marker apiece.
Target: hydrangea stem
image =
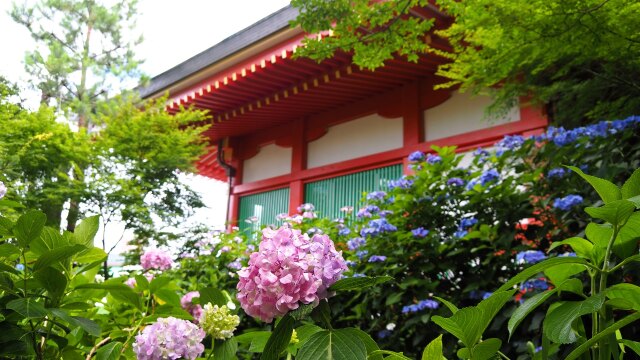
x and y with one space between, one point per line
602 315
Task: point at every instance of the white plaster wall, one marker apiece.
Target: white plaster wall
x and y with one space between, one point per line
272 160
460 114
364 136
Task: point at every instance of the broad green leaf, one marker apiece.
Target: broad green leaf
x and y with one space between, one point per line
213 296
28 308
302 311
49 239
225 349
607 190
433 351
279 339
633 345
10 204
127 295
486 349
369 344
580 246
491 306
29 226
358 283
91 255
392 355
169 296
110 351
539 267
86 231
141 282
256 340
160 282
90 326
558 323
465 324
10 269
53 281
626 243
636 201
6 227
631 187
616 212
333 345
448 304
577 352
527 307
558 274
599 234
628 292
8 251
55 256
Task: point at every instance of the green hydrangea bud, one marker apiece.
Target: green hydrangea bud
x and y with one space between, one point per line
218 321
294 337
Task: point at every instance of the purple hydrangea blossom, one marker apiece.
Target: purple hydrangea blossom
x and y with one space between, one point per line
416 156
421 305
156 259
307 207
344 231
355 243
402 183
376 195
455 181
467 223
235 265
376 227
289 269
509 142
567 202
481 154
169 338
384 213
530 257
534 284
186 302
377 258
489 176
362 253
433 159
420 232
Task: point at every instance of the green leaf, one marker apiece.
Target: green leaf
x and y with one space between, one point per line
302 311
10 269
616 212
159 282
10 204
558 323
628 292
577 352
213 296
279 339
580 246
448 304
486 349
626 243
256 340
539 267
633 345
53 281
433 351
607 190
527 307
558 274
631 187
127 295
28 308
8 251
635 200
599 234
89 326
333 345
49 239
369 344
392 355
492 305
358 283
92 255
169 296
141 282
29 226
111 351
86 231
225 349
55 256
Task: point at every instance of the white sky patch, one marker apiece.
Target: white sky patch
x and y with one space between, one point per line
173 32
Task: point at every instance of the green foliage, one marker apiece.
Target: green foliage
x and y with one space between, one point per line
578 57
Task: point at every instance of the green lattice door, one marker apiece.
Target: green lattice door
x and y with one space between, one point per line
263 207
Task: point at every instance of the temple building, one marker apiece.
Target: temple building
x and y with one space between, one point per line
287 131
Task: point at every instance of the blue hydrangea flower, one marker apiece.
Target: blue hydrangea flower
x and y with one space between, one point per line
467 223
376 227
455 181
344 231
489 176
384 334
384 213
433 159
357 275
460 234
416 156
421 305
362 253
530 257
20 267
376 195
510 142
567 202
377 258
481 154
355 243
402 183
367 211
535 284
420 232
350 263
557 173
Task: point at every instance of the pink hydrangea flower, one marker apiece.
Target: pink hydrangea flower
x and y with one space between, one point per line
288 268
169 338
156 259
194 309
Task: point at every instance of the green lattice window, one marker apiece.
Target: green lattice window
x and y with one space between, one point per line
264 207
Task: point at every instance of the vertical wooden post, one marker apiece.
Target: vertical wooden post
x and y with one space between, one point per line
412 124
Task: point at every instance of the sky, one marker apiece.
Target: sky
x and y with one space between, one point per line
173 32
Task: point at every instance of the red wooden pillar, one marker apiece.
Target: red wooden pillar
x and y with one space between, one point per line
234 199
298 163
412 124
